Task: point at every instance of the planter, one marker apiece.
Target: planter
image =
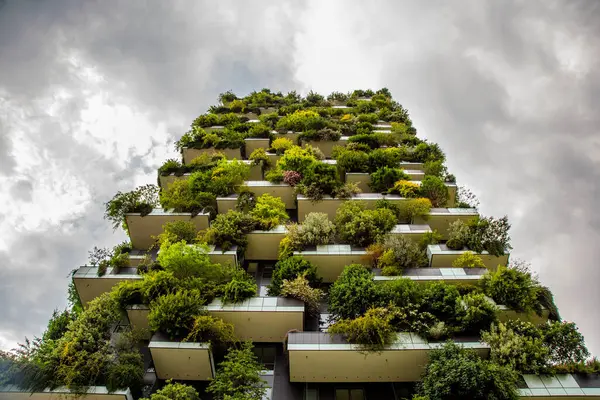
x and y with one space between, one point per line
255 175
282 190
13 392
273 158
362 180
181 360
293 136
455 276
439 219
142 229
411 231
408 165
264 245
330 259
267 110
250 115
382 126
137 315
320 357
189 154
441 256
256 143
326 146
214 128
218 256
330 205
260 319
89 285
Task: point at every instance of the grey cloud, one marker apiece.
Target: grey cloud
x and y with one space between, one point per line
22 190
7 163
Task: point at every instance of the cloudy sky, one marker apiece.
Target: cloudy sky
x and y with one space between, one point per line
93 93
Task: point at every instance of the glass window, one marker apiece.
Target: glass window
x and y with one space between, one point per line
349 394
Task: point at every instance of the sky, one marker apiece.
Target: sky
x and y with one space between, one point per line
93 94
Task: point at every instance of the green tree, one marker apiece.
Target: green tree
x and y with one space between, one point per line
353 293
238 377
175 391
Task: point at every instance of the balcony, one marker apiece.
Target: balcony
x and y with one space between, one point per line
410 231
425 275
264 245
441 256
281 190
330 259
256 143
13 392
330 205
255 175
363 179
293 136
320 357
189 154
559 387
439 219
143 228
326 146
260 319
181 361
89 285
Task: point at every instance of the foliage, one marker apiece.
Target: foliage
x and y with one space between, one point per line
292 178
259 157
353 293
259 130
565 343
458 235
468 259
297 159
141 200
435 190
457 373
207 329
385 177
269 212
430 237
184 260
476 313
373 331
274 175
319 179
407 189
300 121
425 152
346 191
401 252
281 145
289 269
246 201
352 161
230 229
175 391
238 377
465 198
512 288
174 313
316 229
128 293
480 234
126 371
415 208
239 288
440 299
300 289
361 227
388 157
176 231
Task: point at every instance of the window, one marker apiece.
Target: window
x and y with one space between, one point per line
266 356
349 394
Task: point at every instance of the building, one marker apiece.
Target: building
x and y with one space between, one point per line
373 196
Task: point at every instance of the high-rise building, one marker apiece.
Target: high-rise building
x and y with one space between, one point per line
307 248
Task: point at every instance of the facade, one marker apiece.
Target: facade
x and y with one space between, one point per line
368 203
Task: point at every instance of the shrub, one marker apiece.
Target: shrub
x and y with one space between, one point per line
300 289
373 331
389 157
230 229
289 269
489 234
184 260
440 299
322 176
300 121
176 231
281 145
430 237
468 260
174 313
353 293
158 283
269 119
239 288
402 253
212 330
466 199
346 191
269 212
259 130
125 371
274 175
457 373
175 391
259 157
415 208
564 342
391 270
141 200
435 190
385 177
361 227
512 288
476 312
128 293
245 202
425 152
226 176
238 377
297 159
458 235
316 229
291 178
524 354
406 189
365 138
353 161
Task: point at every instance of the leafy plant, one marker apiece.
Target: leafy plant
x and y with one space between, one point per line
184 260
352 161
239 288
373 331
361 227
289 269
207 329
458 235
141 200
269 212
385 178
174 313
430 237
300 289
435 190
238 377
476 312
401 252
565 343
291 178
259 157
229 230
259 130
175 391
316 229
281 145
176 231
406 189
468 259
353 293
513 288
